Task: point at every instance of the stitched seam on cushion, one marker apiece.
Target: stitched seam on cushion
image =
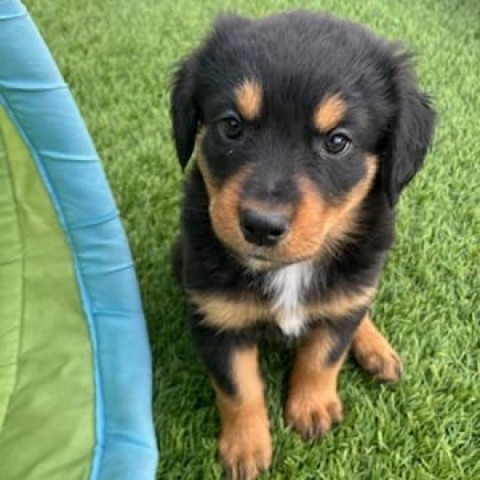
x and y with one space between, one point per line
99 420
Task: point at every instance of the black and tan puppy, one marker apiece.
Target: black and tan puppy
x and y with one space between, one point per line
307 129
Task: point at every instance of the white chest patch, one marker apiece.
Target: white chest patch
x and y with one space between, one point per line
288 286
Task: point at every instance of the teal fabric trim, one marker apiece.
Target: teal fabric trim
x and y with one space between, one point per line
45 114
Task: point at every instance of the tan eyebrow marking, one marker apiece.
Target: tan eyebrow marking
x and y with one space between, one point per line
329 112
249 99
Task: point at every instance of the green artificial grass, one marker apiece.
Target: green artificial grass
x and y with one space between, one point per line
117 56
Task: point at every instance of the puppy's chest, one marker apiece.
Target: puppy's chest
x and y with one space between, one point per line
287 289
289 298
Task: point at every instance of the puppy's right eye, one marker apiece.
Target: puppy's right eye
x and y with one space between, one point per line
230 127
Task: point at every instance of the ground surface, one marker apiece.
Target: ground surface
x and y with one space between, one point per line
117 56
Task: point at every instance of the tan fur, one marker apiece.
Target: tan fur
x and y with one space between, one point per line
249 99
308 227
210 184
340 305
224 205
224 209
329 113
374 353
244 444
346 216
317 225
226 312
313 405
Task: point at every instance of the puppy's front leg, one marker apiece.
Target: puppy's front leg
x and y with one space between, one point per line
313 405
244 445
374 353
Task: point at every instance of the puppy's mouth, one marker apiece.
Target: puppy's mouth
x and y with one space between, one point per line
258 259
261 263
265 261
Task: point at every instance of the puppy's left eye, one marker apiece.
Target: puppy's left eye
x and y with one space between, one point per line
337 142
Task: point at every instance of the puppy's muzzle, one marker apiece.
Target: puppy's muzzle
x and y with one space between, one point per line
264 228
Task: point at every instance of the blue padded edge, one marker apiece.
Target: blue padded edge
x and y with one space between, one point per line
40 104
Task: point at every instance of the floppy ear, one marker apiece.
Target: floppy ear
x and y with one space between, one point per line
184 112
410 135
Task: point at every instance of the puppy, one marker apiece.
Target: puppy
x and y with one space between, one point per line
307 128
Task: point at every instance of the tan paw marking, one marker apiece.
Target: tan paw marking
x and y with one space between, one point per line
245 449
313 412
244 446
374 354
313 406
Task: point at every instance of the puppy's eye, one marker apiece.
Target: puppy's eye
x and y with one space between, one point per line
231 127
337 142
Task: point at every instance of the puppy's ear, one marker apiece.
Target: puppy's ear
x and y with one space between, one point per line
411 132
183 111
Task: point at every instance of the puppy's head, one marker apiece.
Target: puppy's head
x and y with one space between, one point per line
297 117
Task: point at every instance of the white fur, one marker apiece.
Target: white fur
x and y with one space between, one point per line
288 286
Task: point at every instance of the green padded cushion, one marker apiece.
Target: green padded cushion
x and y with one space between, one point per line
46 373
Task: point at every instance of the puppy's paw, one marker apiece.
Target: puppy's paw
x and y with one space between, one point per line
374 354
383 363
245 449
312 413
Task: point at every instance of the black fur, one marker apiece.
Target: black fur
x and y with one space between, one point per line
299 58
411 131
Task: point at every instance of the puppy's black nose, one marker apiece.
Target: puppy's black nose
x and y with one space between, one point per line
264 229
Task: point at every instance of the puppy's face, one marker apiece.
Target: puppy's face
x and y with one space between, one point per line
297 118
284 174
